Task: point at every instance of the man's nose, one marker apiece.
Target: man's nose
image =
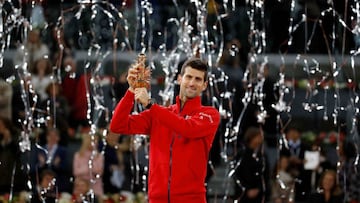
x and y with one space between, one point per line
192 81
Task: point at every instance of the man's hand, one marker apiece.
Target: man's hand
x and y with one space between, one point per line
132 77
142 96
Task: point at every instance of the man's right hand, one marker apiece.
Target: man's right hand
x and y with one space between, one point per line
132 77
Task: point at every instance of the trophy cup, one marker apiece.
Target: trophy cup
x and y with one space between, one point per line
143 77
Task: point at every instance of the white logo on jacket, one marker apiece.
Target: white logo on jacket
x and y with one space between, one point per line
202 115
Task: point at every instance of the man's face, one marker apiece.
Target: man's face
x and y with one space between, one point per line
192 83
257 141
81 187
52 137
293 135
46 181
328 181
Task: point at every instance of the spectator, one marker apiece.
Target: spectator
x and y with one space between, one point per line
23 102
113 177
33 49
249 176
328 190
88 163
75 91
59 45
81 192
58 110
45 190
125 154
323 165
283 182
230 63
270 123
41 77
349 175
296 148
238 26
53 156
10 158
6 94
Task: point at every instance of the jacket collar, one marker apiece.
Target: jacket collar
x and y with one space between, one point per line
189 106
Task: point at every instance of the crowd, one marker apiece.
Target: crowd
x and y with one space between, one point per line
69 160
293 179
66 159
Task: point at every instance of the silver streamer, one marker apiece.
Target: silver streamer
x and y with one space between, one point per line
108 33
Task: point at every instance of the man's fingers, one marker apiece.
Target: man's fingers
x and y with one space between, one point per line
141 95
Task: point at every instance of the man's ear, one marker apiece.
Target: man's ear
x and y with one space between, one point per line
205 85
179 77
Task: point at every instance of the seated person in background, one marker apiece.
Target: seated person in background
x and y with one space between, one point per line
88 163
113 176
282 190
296 148
42 77
249 176
74 88
328 190
349 173
58 111
81 192
54 158
6 93
10 157
45 190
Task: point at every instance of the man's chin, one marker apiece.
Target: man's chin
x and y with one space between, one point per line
190 96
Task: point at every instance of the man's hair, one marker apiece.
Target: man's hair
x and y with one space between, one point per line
47 172
251 133
197 64
55 130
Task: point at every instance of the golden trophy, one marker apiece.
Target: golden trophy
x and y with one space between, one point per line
143 77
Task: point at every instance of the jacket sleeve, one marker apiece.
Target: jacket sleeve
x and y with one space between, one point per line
123 122
201 124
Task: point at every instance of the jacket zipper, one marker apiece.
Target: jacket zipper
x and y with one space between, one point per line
170 161
170 164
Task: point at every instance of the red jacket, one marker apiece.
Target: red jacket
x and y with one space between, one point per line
180 141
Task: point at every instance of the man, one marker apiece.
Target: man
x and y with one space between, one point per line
249 175
296 149
181 135
53 157
45 190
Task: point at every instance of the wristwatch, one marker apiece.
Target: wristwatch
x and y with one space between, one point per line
151 102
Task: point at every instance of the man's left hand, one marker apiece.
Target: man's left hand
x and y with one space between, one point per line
142 96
